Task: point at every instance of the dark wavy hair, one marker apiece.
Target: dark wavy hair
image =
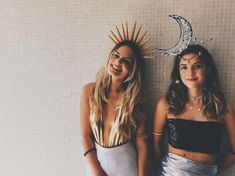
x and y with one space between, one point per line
214 102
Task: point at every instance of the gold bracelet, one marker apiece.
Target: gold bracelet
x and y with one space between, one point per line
157 134
90 150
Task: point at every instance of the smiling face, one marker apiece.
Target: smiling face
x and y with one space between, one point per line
192 71
121 62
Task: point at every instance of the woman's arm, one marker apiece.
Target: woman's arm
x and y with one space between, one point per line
160 116
87 137
142 148
229 119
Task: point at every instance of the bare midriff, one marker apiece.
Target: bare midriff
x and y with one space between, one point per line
195 156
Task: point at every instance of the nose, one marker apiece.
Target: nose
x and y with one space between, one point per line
190 71
117 61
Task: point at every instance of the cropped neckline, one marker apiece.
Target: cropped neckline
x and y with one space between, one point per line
194 121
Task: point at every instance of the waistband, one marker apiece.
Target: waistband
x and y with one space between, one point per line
113 150
180 162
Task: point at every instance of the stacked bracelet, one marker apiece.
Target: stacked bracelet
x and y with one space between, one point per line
90 150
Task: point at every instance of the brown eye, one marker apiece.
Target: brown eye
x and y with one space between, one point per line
198 66
115 55
183 67
126 62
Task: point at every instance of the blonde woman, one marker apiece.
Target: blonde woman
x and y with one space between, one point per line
113 123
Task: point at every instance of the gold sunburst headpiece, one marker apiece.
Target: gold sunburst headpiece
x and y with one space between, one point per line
140 41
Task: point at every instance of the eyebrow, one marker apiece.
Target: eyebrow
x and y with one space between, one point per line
116 52
127 57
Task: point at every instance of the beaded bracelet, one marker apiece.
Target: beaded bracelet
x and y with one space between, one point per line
90 150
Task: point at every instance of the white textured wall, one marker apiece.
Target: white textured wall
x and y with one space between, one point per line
50 48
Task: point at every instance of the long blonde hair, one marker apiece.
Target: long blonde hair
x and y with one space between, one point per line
132 96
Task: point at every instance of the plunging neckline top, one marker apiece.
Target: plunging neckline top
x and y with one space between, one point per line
119 132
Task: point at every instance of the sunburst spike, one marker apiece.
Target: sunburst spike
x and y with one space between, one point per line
136 37
147 47
149 53
133 32
124 32
139 42
127 32
115 37
119 33
142 45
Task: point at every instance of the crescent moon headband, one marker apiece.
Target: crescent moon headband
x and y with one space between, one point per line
133 36
186 33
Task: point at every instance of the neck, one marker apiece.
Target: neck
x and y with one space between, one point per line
195 92
195 95
114 89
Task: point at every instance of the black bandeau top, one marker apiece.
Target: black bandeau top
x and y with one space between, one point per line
195 136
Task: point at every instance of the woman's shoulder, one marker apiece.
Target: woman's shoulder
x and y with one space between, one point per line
87 88
230 110
162 102
230 106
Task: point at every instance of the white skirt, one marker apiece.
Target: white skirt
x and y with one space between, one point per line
117 161
174 165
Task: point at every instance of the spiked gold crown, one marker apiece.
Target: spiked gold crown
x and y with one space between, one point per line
141 42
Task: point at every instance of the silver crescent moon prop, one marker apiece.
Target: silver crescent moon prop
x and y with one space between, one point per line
186 33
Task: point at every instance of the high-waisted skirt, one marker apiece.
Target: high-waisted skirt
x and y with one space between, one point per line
174 165
117 161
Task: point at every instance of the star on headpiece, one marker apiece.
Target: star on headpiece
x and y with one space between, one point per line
143 44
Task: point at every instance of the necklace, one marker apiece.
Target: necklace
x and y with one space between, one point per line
194 98
191 108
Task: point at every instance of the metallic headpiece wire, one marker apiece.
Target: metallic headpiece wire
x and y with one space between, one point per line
136 37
